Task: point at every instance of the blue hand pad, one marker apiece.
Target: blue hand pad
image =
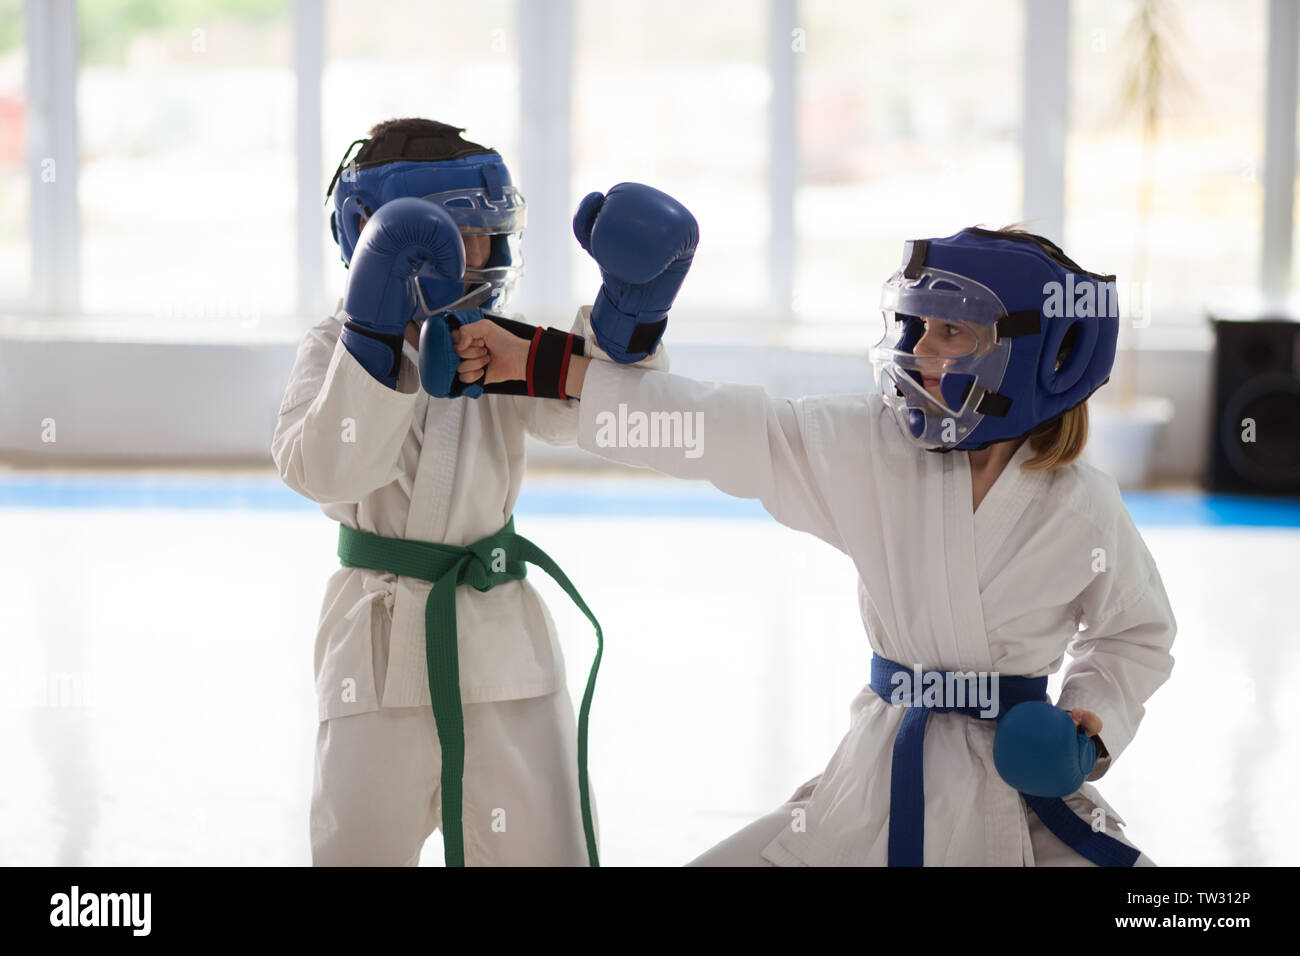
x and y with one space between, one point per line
438 358
1038 750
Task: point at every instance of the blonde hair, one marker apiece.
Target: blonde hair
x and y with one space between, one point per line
1058 442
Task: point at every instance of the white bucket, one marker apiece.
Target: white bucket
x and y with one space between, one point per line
1121 440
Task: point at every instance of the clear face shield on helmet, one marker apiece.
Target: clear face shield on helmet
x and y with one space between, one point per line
502 220
935 395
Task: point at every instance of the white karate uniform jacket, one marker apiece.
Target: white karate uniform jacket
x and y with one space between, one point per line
1009 588
400 463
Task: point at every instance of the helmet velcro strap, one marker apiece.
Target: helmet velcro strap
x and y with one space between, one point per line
492 181
916 258
1023 322
994 404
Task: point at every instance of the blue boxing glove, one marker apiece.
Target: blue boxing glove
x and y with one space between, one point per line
644 241
1040 751
544 373
405 238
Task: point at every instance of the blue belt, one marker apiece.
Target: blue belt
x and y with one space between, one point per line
907 788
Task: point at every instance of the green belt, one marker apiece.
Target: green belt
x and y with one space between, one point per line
482 565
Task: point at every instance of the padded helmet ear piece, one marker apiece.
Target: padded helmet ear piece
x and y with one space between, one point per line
334 226
1066 356
1067 345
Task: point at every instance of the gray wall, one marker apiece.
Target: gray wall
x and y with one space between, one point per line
118 400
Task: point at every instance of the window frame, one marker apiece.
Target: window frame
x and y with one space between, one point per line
54 227
546 77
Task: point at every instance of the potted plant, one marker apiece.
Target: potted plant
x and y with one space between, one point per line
1126 429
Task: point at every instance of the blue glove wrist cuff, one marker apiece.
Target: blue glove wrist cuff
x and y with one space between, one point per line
377 352
613 328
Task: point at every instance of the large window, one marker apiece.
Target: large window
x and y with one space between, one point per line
1200 181
675 93
186 124
457 63
906 119
15 184
909 126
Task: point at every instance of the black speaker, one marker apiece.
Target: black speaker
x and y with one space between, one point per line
1254 445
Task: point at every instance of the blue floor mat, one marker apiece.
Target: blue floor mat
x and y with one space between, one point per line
630 498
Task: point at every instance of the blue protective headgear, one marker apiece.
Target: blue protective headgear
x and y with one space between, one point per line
1036 334
475 189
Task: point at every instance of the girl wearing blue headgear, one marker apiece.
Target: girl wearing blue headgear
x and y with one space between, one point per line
985 550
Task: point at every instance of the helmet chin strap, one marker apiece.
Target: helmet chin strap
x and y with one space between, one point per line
472 299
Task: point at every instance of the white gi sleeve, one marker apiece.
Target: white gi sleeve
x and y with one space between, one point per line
556 422
340 431
747 443
1122 655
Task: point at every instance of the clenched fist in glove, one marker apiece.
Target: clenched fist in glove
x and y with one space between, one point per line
541 356
644 241
1040 750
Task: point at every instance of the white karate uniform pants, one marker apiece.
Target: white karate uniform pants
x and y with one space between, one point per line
745 847
376 795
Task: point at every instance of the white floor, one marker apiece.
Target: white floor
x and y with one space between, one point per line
160 705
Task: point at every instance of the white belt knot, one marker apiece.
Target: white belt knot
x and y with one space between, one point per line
384 586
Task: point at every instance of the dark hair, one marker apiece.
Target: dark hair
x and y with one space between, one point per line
409 138
417 139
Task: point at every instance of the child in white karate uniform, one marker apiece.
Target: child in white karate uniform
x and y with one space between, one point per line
391 463
983 548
